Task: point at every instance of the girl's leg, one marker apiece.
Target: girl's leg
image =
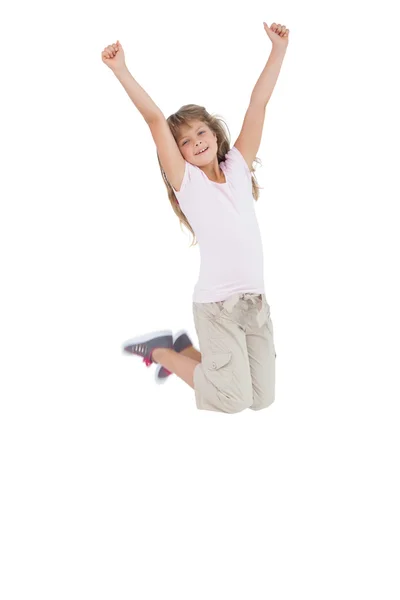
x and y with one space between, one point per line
192 353
183 366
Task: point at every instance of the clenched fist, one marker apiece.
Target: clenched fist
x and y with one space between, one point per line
113 56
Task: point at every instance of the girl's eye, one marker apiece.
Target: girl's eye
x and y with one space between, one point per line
186 140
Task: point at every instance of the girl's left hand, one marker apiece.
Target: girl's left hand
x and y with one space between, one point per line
278 34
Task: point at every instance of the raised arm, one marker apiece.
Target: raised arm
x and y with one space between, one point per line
250 135
138 95
168 151
114 57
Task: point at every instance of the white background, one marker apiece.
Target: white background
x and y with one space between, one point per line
114 487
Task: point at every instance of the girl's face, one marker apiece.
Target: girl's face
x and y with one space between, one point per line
195 138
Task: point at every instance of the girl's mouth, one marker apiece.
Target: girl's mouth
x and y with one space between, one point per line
202 152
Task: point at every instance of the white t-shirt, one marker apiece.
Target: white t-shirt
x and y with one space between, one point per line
222 215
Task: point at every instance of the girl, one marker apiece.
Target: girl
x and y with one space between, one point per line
211 188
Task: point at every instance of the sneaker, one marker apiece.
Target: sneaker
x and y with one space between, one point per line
181 341
144 345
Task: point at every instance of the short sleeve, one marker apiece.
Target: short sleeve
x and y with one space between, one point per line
241 159
184 180
235 160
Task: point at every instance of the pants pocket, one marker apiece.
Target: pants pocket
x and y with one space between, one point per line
207 310
218 367
264 318
270 327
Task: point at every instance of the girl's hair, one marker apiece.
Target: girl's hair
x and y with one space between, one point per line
184 116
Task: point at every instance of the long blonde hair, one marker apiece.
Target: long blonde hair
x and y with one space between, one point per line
184 116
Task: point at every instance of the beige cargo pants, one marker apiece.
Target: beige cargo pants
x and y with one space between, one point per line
236 340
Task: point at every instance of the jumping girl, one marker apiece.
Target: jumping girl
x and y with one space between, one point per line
212 188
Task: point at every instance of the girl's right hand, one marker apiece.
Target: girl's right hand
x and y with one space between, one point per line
113 56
